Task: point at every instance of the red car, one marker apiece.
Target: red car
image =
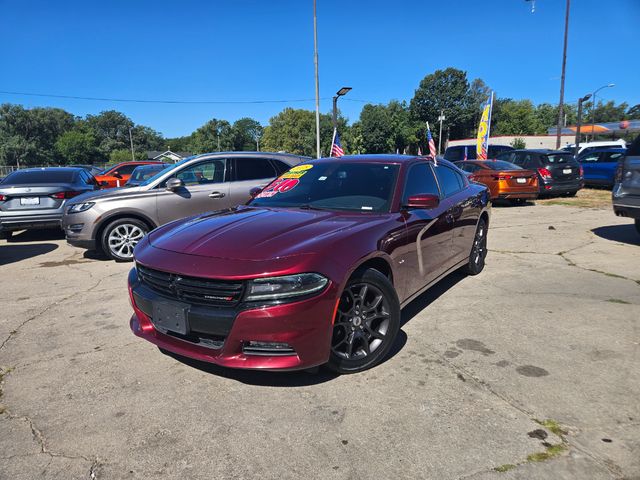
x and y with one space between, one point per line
118 175
314 269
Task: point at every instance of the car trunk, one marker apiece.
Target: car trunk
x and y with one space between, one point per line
39 197
516 179
563 167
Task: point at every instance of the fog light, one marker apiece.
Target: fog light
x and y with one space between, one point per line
76 227
267 348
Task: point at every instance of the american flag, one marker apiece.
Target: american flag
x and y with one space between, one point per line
336 148
432 145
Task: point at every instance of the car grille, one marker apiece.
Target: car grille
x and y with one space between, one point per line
203 291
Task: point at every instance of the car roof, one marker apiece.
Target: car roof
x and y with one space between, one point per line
604 149
543 150
380 158
45 169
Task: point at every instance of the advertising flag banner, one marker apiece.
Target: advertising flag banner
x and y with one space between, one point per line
483 130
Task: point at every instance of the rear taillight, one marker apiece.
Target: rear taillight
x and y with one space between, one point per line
502 177
2 198
63 195
544 173
581 171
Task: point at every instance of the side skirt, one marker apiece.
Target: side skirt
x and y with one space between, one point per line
433 282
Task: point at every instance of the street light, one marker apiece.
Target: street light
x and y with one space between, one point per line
593 107
580 102
343 91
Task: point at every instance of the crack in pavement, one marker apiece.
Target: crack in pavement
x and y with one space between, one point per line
49 307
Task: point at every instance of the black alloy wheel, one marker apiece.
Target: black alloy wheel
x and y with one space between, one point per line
366 324
478 249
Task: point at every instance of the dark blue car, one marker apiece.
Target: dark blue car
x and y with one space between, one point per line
600 165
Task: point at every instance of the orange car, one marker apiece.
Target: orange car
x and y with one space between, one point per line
118 175
505 180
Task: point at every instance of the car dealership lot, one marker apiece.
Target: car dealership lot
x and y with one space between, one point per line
549 331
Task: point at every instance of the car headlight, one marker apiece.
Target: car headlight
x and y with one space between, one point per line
276 288
80 207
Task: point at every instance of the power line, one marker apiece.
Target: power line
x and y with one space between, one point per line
185 102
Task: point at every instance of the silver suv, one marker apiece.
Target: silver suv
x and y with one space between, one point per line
115 220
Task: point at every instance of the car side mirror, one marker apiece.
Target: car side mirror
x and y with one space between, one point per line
423 200
255 191
174 184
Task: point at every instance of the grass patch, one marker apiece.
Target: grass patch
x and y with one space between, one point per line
553 426
585 198
3 372
550 452
505 468
617 300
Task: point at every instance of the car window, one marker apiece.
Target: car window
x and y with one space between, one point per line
420 179
502 165
469 167
590 158
554 159
606 157
253 168
449 180
209 171
125 169
281 167
49 175
506 156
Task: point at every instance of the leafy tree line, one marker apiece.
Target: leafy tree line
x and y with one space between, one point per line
53 136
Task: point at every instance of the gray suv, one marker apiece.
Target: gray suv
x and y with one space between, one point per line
114 220
626 191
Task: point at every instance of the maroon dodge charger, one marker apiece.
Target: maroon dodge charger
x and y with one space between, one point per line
314 269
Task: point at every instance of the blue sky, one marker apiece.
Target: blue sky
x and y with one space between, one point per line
263 50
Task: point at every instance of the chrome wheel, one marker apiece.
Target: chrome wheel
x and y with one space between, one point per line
123 238
479 250
362 322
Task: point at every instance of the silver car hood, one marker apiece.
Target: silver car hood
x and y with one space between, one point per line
108 194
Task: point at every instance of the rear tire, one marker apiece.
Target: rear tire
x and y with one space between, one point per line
121 236
572 194
366 324
478 250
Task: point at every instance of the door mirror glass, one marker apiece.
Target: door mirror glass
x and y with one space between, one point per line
423 200
173 184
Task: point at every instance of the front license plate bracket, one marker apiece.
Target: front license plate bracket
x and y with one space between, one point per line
170 316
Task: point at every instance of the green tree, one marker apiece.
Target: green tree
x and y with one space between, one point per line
605 112
77 146
478 95
514 117
213 136
444 90
634 112
111 130
124 155
294 131
246 132
28 136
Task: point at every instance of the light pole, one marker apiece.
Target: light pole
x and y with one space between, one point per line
580 102
593 107
315 61
564 65
343 91
133 157
441 119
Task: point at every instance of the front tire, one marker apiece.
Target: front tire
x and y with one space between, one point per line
366 324
121 236
478 250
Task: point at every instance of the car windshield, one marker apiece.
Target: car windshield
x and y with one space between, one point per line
502 165
146 172
40 176
554 159
165 170
351 186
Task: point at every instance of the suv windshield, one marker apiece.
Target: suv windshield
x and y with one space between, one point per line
554 159
353 186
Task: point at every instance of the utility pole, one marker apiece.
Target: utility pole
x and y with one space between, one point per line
315 61
564 67
133 156
441 119
580 101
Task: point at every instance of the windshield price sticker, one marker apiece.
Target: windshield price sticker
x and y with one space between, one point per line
280 185
297 171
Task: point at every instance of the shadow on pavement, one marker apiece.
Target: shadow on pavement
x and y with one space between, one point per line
36 236
16 253
619 233
430 296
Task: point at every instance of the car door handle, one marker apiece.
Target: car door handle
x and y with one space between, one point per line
216 195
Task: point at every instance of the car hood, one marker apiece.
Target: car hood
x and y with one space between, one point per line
257 233
107 193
